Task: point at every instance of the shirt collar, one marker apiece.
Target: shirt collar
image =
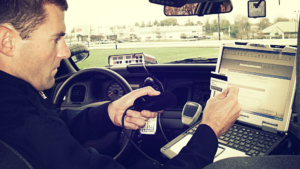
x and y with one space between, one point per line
15 83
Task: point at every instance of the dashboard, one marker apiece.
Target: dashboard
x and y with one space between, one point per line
188 82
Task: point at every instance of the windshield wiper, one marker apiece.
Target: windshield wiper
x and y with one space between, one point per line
196 60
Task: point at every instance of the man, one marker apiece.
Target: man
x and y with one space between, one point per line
31 48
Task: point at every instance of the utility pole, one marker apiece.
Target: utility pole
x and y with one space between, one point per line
219 25
229 32
296 22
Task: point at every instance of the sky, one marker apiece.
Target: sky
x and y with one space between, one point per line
128 12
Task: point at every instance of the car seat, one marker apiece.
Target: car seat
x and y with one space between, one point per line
10 158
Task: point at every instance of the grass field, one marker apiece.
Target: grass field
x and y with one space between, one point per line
99 58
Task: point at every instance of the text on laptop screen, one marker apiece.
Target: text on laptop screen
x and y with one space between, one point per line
263 79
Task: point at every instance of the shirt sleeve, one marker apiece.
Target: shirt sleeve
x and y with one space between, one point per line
88 124
198 153
44 140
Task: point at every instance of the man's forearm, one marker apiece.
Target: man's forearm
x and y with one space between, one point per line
90 123
198 153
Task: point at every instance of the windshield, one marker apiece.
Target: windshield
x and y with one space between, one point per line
138 26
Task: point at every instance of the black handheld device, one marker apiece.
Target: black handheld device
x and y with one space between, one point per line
155 103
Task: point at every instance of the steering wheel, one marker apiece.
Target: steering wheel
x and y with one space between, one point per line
123 141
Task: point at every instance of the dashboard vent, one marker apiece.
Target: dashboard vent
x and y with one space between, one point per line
277 46
241 43
182 96
78 93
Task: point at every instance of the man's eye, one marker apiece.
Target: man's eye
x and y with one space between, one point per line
56 40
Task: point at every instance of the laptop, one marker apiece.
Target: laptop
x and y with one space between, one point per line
266 77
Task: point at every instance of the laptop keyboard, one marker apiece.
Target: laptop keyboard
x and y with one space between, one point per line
252 142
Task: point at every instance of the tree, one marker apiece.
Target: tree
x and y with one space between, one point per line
161 23
73 30
143 24
149 24
224 24
199 23
169 22
264 23
113 30
158 36
189 22
207 25
99 37
120 26
242 24
93 37
148 38
215 26
234 30
136 24
155 22
281 19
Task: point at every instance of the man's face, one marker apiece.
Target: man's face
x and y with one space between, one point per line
39 56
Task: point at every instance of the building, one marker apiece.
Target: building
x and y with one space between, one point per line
93 33
281 30
252 33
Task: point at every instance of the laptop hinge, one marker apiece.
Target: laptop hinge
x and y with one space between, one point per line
270 127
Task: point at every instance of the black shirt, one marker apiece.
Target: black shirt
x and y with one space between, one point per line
50 138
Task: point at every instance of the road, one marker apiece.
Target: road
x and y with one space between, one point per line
203 43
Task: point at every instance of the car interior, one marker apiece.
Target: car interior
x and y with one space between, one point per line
188 80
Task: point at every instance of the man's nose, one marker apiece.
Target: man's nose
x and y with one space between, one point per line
63 50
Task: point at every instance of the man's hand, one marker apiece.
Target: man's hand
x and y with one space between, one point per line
133 119
222 111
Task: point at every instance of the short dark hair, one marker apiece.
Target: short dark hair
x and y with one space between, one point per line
27 15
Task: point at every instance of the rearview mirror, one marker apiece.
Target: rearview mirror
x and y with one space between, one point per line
256 9
79 51
175 3
200 9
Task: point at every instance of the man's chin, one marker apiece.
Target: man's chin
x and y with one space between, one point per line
47 85
50 84
53 73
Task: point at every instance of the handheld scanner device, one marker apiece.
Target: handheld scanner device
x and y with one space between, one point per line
155 103
190 113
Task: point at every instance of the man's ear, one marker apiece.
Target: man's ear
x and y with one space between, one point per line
6 41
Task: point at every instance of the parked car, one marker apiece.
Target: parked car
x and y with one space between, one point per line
104 42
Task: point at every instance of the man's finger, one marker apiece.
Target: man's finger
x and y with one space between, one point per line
130 126
136 114
233 92
222 95
148 114
136 121
145 91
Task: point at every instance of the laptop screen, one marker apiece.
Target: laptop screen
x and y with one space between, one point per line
263 78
